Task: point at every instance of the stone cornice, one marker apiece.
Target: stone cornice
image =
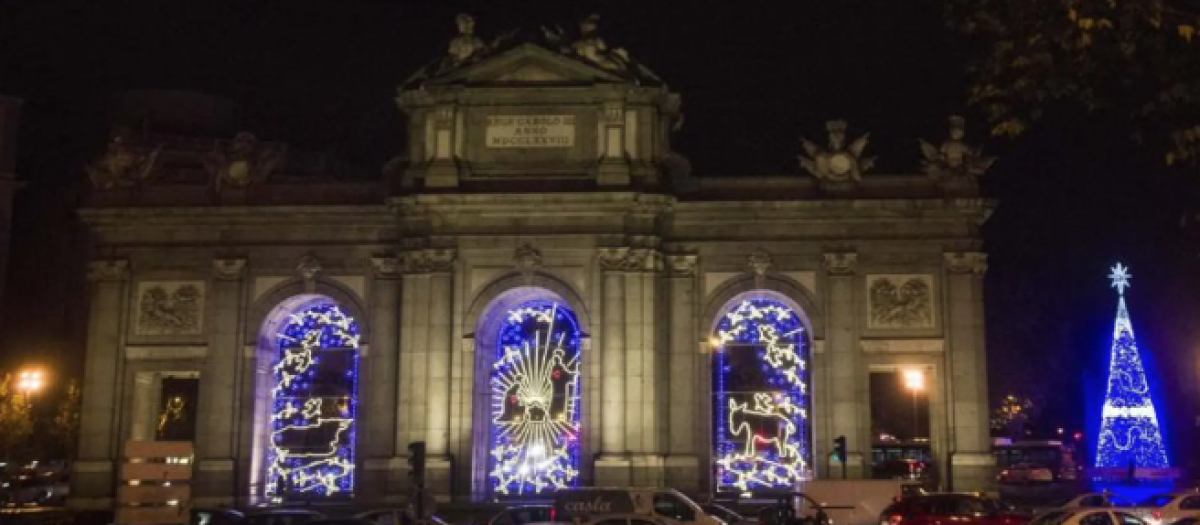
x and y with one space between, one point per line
908 346
234 215
108 270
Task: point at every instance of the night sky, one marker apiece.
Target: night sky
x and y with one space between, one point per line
1075 195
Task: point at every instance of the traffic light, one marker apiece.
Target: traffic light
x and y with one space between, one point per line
416 463
839 448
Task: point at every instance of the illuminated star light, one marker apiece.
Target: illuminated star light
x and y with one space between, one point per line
1120 278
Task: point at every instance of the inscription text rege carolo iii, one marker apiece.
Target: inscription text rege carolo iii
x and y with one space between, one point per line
530 131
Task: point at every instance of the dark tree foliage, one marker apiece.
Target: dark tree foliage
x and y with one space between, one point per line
1136 58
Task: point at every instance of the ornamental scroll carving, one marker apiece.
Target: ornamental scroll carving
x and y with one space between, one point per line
385 267
899 301
309 267
108 270
527 258
966 262
170 308
682 265
430 260
229 269
845 263
630 259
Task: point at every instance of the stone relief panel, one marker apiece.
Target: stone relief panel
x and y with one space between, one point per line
900 301
169 308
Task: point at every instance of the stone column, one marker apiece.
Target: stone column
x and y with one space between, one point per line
424 368
846 399
93 474
441 352
612 467
377 381
971 460
682 469
216 413
643 389
614 164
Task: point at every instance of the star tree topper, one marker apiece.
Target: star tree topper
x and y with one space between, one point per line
1120 278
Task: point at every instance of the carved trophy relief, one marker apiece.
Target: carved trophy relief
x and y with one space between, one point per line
899 302
121 166
171 308
954 158
243 162
838 162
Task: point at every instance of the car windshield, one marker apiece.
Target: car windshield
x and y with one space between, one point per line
1157 500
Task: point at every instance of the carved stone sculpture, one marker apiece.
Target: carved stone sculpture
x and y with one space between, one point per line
170 308
526 258
466 47
243 163
589 46
899 302
120 166
954 158
837 162
309 267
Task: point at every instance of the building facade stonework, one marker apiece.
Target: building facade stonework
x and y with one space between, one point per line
542 293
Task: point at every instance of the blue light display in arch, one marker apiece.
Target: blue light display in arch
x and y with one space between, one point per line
761 398
535 401
314 401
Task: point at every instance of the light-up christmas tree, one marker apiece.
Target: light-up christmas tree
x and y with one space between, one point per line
1129 433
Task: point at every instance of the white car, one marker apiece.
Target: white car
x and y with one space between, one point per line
1167 508
1082 516
1095 500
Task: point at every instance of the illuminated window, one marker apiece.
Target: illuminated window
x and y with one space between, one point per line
535 400
761 397
314 398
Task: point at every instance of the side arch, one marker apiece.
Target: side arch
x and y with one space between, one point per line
260 321
512 289
800 299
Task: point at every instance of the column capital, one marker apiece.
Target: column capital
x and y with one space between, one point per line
682 265
385 267
841 263
429 260
108 270
626 259
966 262
229 269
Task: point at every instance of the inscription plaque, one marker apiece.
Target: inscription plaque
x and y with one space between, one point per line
530 131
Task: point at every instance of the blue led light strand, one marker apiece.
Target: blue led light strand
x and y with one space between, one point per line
315 400
1129 431
761 400
535 401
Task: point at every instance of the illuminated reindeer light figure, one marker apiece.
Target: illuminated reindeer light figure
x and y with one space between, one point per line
766 423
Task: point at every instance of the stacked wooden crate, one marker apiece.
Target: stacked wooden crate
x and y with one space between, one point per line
155 483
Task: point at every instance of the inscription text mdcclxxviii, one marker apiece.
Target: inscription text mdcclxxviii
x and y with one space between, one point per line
530 131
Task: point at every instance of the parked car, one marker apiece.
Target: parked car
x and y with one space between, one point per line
395 516
281 517
1167 508
341 521
1025 473
960 509
1086 516
616 519
1193 520
202 516
1092 500
728 515
523 515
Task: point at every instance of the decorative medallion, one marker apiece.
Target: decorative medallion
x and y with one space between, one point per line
171 308
899 302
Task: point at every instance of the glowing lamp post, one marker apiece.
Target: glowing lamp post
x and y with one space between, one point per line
30 382
914 381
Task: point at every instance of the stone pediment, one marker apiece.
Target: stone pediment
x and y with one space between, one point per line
528 63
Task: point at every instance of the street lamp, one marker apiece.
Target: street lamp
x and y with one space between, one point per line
30 381
914 381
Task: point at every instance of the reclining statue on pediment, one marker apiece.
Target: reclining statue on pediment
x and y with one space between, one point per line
954 158
121 166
